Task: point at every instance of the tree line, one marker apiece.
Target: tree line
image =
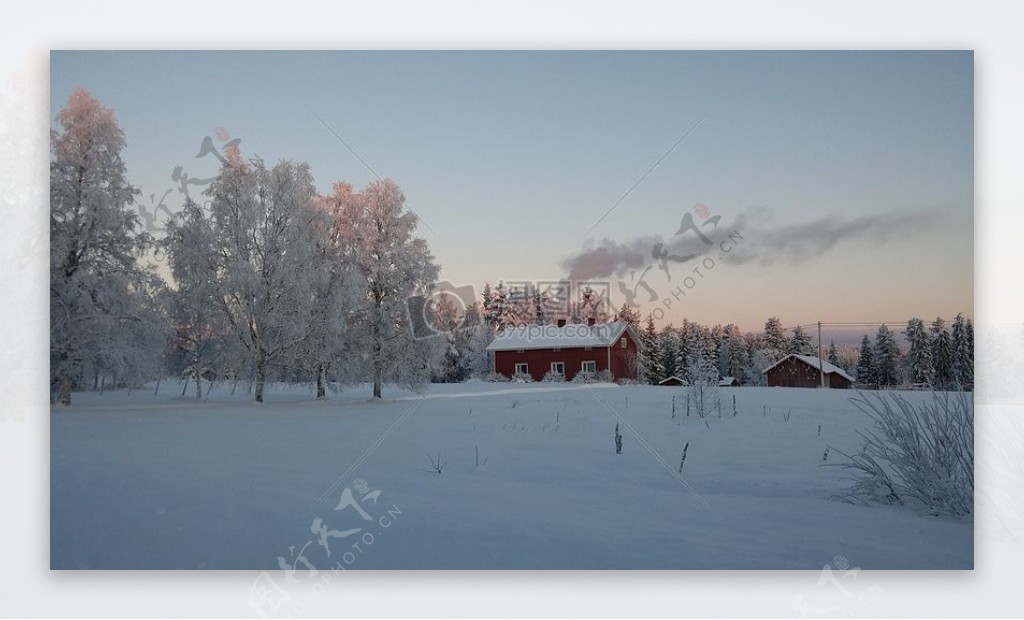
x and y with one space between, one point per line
269 279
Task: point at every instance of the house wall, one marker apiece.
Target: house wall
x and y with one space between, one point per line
623 360
838 381
793 373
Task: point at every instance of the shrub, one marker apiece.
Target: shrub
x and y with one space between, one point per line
522 377
497 377
553 377
602 376
920 453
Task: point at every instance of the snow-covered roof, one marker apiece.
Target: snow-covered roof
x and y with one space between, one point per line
672 378
554 337
814 361
727 381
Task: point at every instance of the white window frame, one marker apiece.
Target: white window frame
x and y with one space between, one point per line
525 368
583 366
622 342
553 369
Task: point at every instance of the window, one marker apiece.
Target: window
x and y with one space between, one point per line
590 367
622 342
522 368
558 367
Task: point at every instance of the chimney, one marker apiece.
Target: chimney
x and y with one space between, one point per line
561 322
591 321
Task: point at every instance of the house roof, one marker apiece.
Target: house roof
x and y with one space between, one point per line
814 362
553 337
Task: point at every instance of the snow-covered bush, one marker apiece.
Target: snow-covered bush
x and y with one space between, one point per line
497 377
522 377
915 453
553 377
602 376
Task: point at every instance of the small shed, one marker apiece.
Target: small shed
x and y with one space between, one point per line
728 382
805 371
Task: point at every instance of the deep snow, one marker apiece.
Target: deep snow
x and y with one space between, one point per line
144 481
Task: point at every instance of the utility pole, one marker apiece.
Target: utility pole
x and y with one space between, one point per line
821 364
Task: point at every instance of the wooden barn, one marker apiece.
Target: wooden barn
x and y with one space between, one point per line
805 371
567 349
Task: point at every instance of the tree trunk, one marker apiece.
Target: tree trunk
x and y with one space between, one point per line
64 395
376 381
261 375
321 388
199 385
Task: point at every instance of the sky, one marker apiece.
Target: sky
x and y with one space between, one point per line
841 182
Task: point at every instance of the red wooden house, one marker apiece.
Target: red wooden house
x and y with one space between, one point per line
567 349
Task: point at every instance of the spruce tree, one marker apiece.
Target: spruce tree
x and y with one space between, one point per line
866 363
651 367
800 342
942 356
774 341
886 357
919 359
833 355
963 352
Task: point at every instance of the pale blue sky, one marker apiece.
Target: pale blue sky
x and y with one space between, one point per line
511 157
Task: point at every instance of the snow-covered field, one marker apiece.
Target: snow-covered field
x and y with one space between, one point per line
530 479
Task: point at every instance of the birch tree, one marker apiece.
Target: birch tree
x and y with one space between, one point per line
102 309
260 221
394 265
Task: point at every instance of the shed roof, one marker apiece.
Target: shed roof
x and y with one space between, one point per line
814 362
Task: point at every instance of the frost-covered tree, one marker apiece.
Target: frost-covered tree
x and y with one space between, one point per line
592 307
833 354
395 265
800 342
703 377
103 313
758 361
498 311
685 343
628 315
866 363
650 366
733 353
454 362
668 348
919 356
260 220
942 355
774 340
963 351
201 334
886 357
334 290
